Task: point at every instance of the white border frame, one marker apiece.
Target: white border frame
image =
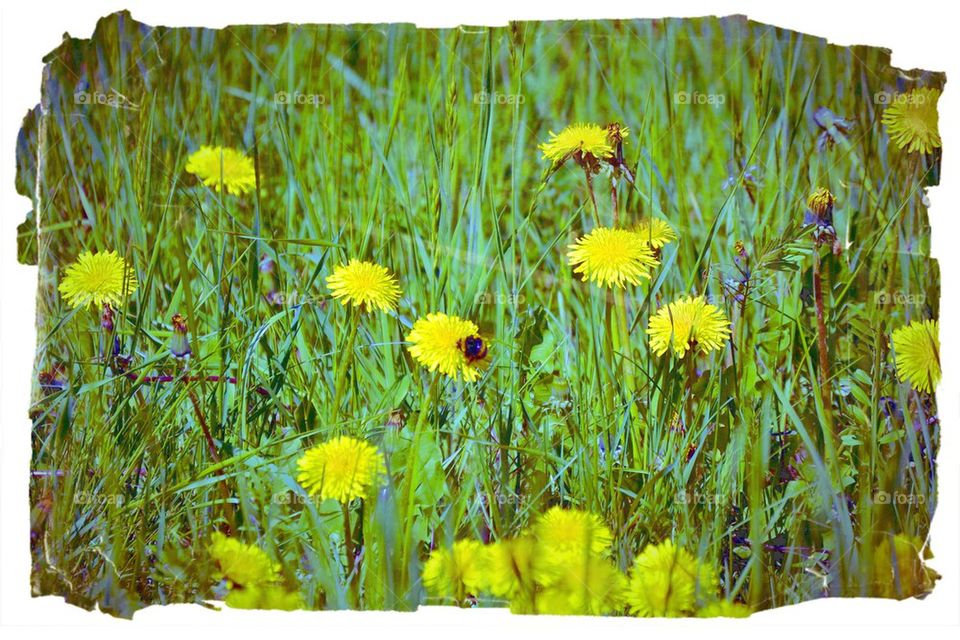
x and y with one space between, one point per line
921 34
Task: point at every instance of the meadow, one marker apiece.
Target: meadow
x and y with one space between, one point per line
560 454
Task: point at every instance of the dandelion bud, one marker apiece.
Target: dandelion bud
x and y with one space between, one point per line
106 318
820 214
180 342
820 202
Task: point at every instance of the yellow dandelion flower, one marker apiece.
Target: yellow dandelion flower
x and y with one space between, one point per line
917 348
577 139
612 257
97 279
724 609
911 120
456 572
448 344
667 581
688 324
222 166
510 566
572 532
242 564
655 232
591 587
266 596
364 284
343 468
899 570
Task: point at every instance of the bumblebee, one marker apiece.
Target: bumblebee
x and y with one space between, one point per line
473 347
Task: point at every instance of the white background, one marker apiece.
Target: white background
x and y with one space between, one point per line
922 34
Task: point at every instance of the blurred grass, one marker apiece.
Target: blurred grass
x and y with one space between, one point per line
419 152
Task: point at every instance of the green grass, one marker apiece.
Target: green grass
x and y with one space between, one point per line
401 164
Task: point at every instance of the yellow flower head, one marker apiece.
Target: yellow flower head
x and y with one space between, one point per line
456 572
510 566
688 324
917 348
581 139
97 279
266 596
448 344
655 232
821 202
343 468
364 284
666 581
562 531
591 587
242 564
612 257
911 120
237 169
724 609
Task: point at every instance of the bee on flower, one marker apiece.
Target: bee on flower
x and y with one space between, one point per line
449 344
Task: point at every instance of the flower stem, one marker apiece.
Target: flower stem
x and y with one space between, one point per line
593 197
345 364
822 338
622 345
353 562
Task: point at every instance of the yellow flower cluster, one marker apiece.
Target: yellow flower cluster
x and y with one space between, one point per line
252 578
561 565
